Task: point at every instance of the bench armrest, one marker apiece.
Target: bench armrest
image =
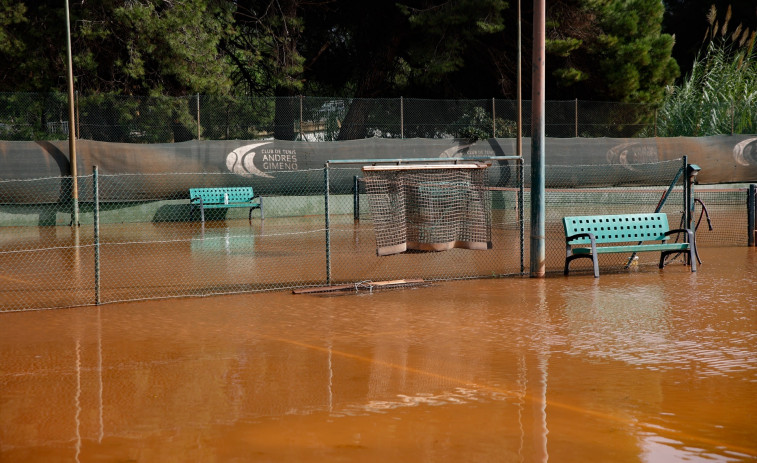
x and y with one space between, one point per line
689 233
580 235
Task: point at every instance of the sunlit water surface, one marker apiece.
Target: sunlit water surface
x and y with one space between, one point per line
645 365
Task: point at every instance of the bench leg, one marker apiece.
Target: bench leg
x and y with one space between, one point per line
259 206
593 258
202 214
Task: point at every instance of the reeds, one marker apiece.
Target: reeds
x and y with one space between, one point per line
720 94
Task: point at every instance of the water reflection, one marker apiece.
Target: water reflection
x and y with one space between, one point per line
633 367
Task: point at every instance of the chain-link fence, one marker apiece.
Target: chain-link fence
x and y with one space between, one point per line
163 119
150 243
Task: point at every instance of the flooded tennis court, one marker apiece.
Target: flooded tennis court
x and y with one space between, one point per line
636 366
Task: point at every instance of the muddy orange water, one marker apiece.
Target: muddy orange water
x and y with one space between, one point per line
644 366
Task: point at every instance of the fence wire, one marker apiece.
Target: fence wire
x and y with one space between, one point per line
154 245
164 119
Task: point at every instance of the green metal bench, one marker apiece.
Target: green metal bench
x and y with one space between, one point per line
627 233
224 198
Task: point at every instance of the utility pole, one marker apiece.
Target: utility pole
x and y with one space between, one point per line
538 172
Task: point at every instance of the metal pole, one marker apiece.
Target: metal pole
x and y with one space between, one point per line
538 172
76 131
402 117
752 214
655 122
576 118
302 134
96 206
356 199
519 98
199 137
494 119
72 127
687 201
328 222
521 222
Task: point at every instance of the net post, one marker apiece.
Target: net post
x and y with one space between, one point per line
752 214
328 222
96 233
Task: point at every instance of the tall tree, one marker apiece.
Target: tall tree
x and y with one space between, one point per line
610 50
413 43
139 47
264 48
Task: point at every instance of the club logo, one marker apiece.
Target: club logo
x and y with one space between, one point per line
745 153
241 161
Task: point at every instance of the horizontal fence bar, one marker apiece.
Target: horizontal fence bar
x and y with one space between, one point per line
404 160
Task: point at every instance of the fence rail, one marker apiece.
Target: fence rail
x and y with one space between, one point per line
163 119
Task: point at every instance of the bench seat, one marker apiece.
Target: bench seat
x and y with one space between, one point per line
224 198
589 236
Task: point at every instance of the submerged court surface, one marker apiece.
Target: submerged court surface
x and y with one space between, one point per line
637 366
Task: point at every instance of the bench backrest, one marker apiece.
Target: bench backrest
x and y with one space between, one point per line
618 228
216 195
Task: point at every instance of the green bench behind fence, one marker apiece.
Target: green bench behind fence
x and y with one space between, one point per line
224 198
628 233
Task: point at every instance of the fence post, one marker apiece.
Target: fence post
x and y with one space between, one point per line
96 220
328 223
199 137
521 222
655 122
733 113
576 118
494 119
752 214
686 193
302 134
402 117
77 115
356 199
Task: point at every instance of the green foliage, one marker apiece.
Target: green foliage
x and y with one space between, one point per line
569 76
562 47
11 13
719 96
611 50
33 116
439 36
477 125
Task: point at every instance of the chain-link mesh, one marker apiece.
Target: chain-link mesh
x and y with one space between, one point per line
164 119
153 244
